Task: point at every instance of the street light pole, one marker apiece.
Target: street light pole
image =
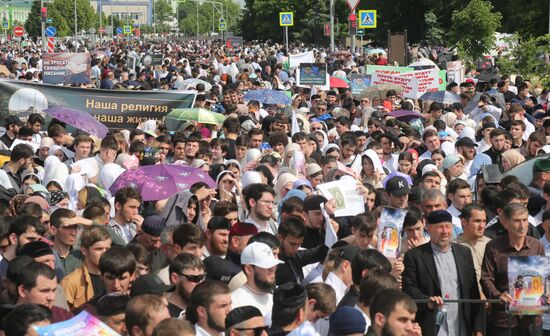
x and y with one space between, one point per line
331 25
75 28
42 25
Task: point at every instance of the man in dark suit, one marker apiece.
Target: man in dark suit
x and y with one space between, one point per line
442 270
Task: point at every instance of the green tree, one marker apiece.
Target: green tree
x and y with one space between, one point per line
163 11
62 13
527 57
33 25
434 33
473 29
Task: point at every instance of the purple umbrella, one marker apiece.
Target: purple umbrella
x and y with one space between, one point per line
161 181
78 119
405 115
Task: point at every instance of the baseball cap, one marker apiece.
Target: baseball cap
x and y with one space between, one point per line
218 268
467 142
150 284
313 169
347 252
259 255
346 321
397 186
13 120
153 225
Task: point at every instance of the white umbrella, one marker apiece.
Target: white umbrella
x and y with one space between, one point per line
376 51
192 83
424 63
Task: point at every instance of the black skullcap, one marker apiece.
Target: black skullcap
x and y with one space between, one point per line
241 314
289 294
218 268
35 249
219 223
111 304
153 225
439 216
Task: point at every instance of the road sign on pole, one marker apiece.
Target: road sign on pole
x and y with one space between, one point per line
367 19
127 30
223 26
119 30
352 4
286 19
18 31
51 31
360 32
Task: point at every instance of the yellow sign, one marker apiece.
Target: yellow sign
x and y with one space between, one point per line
367 19
286 19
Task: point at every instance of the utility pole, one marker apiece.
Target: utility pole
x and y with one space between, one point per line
42 24
75 28
331 25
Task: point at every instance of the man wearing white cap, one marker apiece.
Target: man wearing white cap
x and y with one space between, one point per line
259 267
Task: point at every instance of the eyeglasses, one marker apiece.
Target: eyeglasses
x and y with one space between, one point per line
257 330
194 278
316 129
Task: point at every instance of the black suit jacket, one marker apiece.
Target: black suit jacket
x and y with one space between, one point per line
421 281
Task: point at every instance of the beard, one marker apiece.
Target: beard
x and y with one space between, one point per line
262 217
386 331
219 249
264 285
213 324
183 294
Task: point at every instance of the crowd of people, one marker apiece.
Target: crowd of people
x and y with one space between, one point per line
263 253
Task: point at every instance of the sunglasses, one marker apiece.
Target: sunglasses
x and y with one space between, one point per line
257 331
194 278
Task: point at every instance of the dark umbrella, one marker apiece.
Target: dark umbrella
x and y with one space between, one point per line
78 119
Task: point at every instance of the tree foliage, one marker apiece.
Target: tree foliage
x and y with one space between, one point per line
33 25
62 13
434 33
528 57
163 11
473 29
208 17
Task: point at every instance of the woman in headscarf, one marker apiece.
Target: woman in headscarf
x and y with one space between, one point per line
183 207
58 199
511 158
322 139
108 176
289 152
283 185
228 188
75 182
251 156
55 170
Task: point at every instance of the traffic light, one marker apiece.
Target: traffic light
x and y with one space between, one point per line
44 14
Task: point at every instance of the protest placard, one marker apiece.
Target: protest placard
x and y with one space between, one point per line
312 74
528 281
389 231
359 82
115 109
387 70
409 84
66 68
83 324
348 201
295 60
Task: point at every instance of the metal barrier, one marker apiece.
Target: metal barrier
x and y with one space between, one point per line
484 315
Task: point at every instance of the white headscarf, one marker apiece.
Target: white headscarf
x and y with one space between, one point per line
75 182
55 170
109 174
251 155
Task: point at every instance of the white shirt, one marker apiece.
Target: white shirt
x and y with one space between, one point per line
455 213
260 228
482 146
367 319
338 285
244 296
201 332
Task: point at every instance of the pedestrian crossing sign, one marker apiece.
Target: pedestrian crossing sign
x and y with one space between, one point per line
127 30
286 19
367 18
222 26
